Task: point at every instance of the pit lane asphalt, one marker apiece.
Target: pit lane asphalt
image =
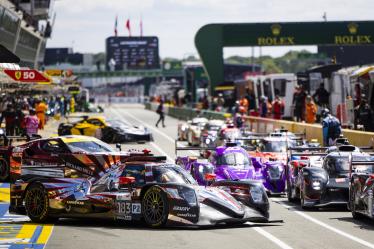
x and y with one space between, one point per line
332 228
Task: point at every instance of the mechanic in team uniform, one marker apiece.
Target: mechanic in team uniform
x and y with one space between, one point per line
9 116
364 115
331 127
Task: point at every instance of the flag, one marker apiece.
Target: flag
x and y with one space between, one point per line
115 26
128 26
141 26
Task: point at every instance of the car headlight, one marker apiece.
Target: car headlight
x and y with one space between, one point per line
207 141
316 185
256 194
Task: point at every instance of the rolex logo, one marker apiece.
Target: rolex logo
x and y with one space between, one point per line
352 28
18 75
276 29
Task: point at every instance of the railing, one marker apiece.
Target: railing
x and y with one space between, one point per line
313 131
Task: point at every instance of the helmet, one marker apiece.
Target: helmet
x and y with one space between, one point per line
325 112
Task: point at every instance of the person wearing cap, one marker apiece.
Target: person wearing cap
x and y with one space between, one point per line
364 115
310 110
331 128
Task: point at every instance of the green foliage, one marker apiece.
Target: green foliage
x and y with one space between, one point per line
291 62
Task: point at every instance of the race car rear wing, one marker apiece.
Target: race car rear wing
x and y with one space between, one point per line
179 148
8 140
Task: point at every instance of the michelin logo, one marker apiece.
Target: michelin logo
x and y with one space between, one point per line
184 209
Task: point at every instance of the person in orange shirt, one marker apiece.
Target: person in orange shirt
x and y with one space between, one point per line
310 110
40 109
244 102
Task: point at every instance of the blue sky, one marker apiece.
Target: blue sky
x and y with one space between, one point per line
84 24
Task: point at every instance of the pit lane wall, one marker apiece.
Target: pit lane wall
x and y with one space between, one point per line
312 131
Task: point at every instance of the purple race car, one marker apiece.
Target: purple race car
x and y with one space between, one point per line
229 163
233 162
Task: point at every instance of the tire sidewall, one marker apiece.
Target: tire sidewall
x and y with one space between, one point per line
165 214
45 213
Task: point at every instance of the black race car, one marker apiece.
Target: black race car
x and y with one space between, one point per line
140 187
320 186
361 189
109 131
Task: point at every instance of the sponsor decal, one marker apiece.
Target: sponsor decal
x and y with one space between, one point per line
276 39
75 202
353 38
80 169
188 215
179 208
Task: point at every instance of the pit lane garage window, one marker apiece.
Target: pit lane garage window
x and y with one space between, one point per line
171 174
273 146
92 146
136 171
236 159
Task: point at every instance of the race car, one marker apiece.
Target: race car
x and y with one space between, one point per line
361 189
6 147
210 133
327 185
109 131
191 130
228 163
141 188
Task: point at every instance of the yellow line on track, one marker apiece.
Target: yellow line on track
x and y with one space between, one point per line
26 231
4 195
46 233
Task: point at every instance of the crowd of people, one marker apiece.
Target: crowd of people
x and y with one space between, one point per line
23 115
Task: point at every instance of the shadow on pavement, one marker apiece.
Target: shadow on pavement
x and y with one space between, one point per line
110 224
364 223
295 206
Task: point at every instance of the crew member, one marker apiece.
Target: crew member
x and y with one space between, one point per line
160 111
9 115
310 110
331 127
40 109
364 115
278 108
31 123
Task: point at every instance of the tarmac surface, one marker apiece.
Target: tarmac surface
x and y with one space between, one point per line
291 227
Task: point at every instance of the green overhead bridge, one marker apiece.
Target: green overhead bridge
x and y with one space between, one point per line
212 38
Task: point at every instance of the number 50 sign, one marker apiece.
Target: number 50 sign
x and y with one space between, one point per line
28 75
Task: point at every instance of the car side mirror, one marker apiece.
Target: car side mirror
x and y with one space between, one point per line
126 182
119 147
210 178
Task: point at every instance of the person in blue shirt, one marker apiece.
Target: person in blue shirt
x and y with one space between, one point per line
331 128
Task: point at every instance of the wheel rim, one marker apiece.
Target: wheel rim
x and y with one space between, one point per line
153 207
35 202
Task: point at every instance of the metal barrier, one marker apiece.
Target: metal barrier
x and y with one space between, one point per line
313 131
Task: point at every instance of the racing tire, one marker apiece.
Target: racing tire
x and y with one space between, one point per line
302 202
37 204
289 192
4 170
352 206
155 207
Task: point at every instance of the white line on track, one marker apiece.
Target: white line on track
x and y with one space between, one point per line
153 129
270 237
259 230
331 228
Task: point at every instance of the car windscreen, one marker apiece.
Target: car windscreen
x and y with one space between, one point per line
89 146
172 174
235 159
341 164
273 146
